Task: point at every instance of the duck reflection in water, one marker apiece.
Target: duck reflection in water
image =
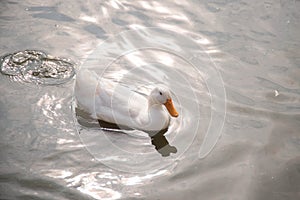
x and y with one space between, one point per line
162 144
158 139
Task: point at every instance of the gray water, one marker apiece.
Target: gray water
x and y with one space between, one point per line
232 66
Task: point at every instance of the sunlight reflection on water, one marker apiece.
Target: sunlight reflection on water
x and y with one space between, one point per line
42 156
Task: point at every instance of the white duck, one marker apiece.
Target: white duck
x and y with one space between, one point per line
118 104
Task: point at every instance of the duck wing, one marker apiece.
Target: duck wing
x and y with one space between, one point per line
117 103
108 100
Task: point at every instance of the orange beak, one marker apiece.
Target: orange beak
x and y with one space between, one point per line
170 107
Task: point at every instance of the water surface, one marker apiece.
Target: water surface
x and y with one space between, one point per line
254 46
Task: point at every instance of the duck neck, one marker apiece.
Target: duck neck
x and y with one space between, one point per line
157 116
152 105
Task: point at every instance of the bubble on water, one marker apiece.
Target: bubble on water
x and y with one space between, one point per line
37 67
51 71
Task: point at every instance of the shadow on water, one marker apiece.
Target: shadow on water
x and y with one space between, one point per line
162 144
158 139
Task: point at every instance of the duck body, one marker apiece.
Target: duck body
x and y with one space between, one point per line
115 103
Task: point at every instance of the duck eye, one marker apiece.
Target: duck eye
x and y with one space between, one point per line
160 93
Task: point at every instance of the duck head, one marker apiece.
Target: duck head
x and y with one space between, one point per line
162 96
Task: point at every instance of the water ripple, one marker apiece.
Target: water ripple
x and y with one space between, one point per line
37 67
